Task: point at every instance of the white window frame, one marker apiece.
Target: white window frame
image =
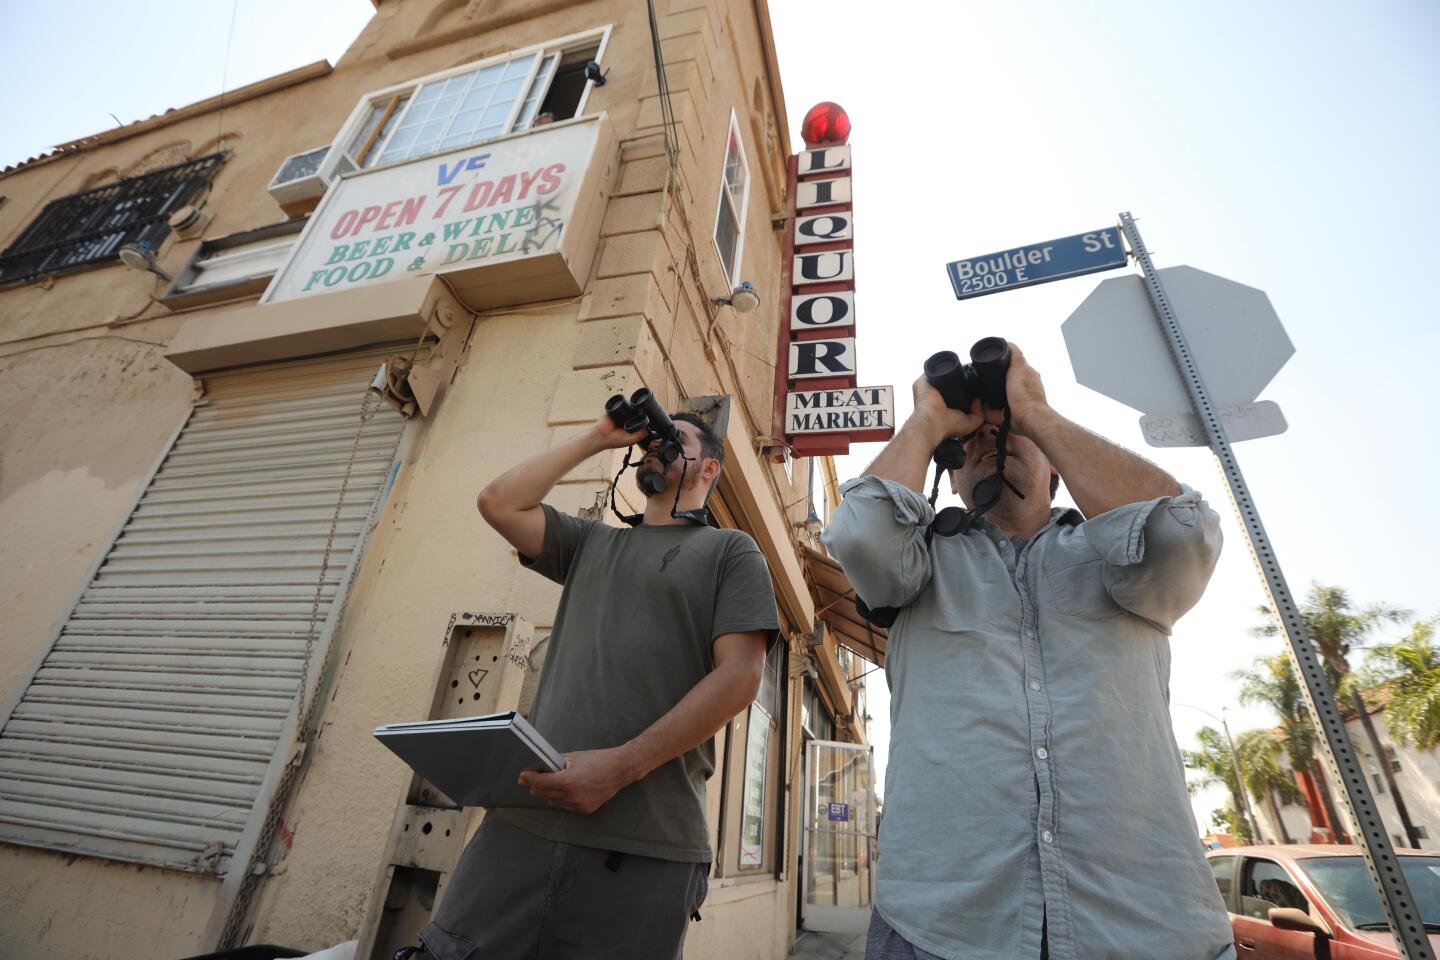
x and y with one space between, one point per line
740 215
758 736
761 729
560 46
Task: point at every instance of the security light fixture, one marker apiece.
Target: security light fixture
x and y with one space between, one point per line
743 298
141 256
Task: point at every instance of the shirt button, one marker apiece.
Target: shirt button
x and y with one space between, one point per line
1048 837
1042 753
1034 684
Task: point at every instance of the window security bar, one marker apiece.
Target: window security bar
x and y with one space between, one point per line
88 228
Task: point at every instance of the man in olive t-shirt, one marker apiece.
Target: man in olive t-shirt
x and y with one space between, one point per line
659 639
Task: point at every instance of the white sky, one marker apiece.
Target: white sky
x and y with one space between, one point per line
1289 146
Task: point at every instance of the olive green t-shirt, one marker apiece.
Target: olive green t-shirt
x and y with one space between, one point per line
633 634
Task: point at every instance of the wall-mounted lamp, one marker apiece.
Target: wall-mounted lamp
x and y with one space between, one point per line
141 256
593 74
813 525
743 298
189 222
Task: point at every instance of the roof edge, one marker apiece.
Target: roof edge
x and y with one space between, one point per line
252 91
772 64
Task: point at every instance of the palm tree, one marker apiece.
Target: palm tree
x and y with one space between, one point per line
1412 666
1217 764
1272 682
1230 821
1337 627
1259 754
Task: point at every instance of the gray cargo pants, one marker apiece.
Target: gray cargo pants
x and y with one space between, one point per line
516 896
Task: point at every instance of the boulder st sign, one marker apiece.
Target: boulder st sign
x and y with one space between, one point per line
819 400
1038 263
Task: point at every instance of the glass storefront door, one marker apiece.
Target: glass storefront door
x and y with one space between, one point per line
839 824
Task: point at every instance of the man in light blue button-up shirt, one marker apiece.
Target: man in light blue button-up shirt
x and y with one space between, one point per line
1035 798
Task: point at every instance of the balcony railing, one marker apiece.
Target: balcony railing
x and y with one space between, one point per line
89 228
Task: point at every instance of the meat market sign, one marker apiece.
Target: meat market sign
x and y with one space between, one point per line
824 409
461 214
849 410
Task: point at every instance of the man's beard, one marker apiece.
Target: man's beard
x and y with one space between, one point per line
651 467
1017 472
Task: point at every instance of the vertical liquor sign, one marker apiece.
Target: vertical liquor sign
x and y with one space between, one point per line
818 397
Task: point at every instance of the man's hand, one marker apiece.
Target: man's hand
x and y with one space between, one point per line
939 421
589 780
612 437
1099 475
906 459
1024 391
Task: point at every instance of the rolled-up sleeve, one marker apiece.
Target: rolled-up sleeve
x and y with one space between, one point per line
878 535
1158 554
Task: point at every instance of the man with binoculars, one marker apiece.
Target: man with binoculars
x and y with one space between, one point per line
659 639
1035 801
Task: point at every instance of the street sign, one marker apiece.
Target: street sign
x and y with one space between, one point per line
1248 421
1236 340
1038 263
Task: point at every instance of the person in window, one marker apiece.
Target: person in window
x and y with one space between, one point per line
1035 799
659 639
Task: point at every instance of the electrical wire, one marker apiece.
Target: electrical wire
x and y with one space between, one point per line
667 115
225 75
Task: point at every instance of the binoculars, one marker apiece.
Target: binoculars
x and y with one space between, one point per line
643 412
983 377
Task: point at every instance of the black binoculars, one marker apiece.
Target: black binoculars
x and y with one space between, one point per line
643 412
983 377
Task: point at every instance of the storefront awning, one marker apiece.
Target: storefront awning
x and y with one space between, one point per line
835 604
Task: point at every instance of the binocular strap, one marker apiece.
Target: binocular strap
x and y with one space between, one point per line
950 455
700 516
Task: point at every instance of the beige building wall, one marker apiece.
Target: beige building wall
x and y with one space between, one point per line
88 403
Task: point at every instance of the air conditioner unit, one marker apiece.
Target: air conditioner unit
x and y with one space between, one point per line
304 177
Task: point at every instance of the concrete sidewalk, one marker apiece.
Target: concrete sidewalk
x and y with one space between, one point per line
829 946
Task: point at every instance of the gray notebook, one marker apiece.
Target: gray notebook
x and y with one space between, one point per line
475 761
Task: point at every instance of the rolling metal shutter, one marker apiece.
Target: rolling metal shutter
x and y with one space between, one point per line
152 724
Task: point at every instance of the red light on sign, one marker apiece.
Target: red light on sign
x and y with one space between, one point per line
825 124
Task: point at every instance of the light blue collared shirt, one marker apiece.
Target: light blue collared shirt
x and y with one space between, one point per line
1033 772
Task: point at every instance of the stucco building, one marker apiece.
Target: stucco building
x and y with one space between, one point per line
1414 773
232 542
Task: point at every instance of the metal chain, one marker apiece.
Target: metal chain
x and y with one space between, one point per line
251 881
307 704
368 407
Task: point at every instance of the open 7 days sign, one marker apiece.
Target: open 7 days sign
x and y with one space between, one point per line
825 409
508 200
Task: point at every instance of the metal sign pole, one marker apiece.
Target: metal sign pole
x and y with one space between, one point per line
1400 908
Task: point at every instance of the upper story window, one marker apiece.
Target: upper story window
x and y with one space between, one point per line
730 208
89 228
238 265
472 103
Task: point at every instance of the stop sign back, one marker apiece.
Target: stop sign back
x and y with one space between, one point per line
1233 334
